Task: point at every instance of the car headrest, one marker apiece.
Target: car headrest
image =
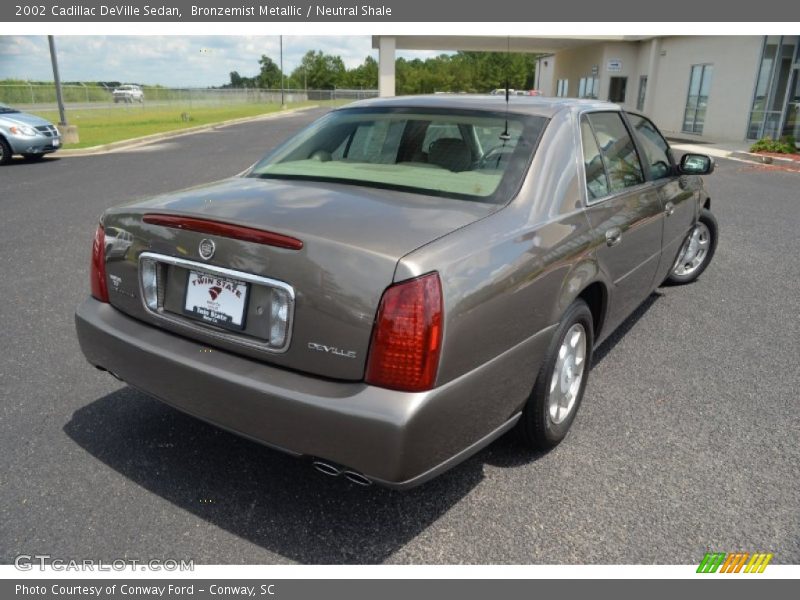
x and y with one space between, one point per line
450 153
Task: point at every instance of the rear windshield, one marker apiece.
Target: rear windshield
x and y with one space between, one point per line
473 155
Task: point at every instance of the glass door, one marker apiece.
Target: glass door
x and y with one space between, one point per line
791 126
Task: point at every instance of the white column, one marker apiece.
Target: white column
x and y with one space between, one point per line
386 52
653 61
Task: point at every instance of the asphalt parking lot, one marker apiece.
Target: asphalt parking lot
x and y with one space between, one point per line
688 439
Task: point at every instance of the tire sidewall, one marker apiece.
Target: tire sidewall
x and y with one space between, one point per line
541 431
707 219
5 152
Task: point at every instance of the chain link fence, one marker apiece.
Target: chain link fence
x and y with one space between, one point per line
43 96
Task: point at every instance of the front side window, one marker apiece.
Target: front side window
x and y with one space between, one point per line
694 117
655 147
621 160
466 154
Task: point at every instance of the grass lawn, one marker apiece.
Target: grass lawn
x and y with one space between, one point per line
98 126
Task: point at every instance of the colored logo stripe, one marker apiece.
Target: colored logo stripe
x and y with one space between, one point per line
733 562
711 562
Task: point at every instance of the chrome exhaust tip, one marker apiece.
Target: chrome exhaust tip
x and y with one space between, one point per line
326 468
357 478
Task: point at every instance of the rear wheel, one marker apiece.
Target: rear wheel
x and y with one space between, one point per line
5 152
697 250
561 381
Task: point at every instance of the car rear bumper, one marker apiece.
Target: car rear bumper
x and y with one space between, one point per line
395 439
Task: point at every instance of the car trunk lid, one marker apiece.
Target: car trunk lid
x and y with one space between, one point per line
352 238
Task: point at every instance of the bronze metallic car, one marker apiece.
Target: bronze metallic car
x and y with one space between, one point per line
401 282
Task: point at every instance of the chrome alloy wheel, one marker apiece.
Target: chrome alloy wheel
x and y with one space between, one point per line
694 251
567 374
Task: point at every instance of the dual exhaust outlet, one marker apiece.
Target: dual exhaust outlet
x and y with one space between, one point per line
332 470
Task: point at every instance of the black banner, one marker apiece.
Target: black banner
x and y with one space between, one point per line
498 11
335 589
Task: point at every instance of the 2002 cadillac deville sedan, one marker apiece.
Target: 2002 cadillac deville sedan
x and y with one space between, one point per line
401 282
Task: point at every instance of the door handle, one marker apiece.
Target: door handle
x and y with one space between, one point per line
613 236
669 208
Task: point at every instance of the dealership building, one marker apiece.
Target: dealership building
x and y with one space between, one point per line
703 88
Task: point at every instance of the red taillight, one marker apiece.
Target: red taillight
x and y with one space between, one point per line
98 270
407 336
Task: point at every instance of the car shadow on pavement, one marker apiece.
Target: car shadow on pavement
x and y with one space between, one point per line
270 499
620 332
19 161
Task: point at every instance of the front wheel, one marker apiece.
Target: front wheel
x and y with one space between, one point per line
561 381
5 152
697 250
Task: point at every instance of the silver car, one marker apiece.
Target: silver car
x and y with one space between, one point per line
403 281
25 134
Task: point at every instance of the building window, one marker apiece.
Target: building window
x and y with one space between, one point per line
616 89
697 100
562 88
775 97
642 92
588 87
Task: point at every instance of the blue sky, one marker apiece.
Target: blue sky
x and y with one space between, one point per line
168 60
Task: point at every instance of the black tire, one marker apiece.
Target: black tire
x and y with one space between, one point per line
710 222
5 152
536 427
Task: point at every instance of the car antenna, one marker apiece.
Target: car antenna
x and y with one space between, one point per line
505 136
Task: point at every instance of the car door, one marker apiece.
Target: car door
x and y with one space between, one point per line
624 211
680 210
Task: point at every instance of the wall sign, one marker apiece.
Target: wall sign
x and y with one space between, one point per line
614 65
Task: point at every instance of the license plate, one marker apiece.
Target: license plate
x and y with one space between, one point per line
56 143
216 300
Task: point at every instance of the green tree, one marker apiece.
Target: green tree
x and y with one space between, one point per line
270 75
364 76
320 71
236 80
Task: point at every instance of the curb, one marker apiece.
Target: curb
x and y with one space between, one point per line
764 159
156 137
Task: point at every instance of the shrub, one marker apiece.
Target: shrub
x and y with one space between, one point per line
785 145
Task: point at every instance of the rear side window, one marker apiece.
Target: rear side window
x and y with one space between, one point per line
596 180
655 146
623 167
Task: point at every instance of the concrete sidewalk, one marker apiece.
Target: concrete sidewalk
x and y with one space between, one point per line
735 151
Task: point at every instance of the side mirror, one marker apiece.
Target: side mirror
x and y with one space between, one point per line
696 164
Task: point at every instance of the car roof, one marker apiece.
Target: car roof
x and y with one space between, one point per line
534 105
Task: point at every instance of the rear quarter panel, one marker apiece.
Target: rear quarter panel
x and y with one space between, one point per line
507 278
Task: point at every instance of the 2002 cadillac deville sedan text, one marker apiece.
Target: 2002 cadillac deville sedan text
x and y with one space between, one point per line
401 282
